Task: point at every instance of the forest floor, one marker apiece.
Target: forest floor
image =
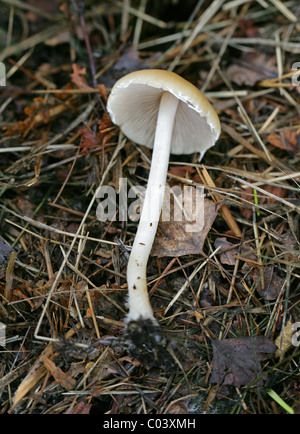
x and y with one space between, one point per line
226 297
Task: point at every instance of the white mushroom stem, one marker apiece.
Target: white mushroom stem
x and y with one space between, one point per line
139 303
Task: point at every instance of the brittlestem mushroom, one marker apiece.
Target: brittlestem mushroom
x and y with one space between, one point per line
162 111
139 304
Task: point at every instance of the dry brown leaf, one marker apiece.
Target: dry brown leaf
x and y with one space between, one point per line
252 68
25 205
5 252
64 36
213 392
9 276
243 75
60 377
81 408
78 77
277 191
228 251
174 238
35 374
46 7
268 283
178 407
88 140
236 361
286 140
248 28
249 194
284 340
128 61
181 171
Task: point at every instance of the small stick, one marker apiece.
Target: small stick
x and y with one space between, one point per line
285 11
124 21
226 214
139 24
205 17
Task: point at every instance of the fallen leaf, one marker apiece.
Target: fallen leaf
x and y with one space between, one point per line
242 75
288 240
103 124
178 407
268 283
248 28
129 61
284 340
213 392
78 77
186 237
228 251
44 6
251 68
117 401
26 206
81 408
60 377
276 191
236 361
38 108
35 374
64 36
9 276
186 172
286 140
88 140
181 171
5 252
249 193
19 294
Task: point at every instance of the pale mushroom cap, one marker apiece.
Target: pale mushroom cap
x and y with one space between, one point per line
134 102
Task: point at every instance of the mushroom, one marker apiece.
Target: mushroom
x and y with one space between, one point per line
160 110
